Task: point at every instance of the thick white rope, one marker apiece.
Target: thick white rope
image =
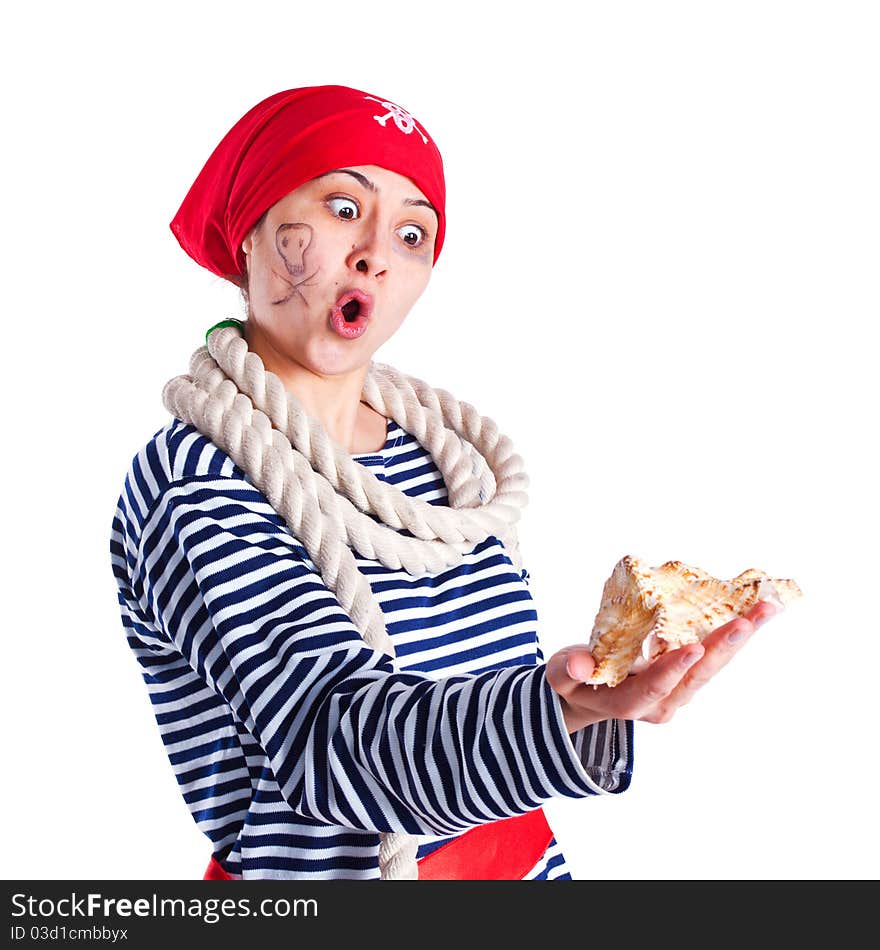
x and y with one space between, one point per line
326 498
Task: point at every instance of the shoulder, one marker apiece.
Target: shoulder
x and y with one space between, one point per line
181 488
178 455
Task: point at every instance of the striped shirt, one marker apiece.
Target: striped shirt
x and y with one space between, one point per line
293 743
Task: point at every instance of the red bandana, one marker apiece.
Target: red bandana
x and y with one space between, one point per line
285 141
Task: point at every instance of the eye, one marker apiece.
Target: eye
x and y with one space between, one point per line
412 235
345 208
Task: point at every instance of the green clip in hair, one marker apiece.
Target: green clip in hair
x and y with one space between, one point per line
238 324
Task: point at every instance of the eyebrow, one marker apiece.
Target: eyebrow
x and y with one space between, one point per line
370 186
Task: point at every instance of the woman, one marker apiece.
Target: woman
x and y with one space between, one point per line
316 558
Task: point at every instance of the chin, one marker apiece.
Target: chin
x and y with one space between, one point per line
339 360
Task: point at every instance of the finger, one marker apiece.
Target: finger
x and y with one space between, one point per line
741 628
641 695
721 646
569 668
761 612
734 632
580 665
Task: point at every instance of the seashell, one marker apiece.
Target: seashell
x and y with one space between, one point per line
646 611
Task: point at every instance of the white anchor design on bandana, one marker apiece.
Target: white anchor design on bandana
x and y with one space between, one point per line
402 119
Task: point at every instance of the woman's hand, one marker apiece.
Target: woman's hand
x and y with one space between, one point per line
656 693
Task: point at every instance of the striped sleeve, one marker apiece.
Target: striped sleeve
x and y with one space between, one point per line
351 741
605 749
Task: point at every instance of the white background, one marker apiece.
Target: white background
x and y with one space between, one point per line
660 279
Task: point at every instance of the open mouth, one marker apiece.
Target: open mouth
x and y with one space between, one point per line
351 313
351 310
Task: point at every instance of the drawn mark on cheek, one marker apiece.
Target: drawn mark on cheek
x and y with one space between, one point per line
292 241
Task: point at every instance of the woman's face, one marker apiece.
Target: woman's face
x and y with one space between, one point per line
335 266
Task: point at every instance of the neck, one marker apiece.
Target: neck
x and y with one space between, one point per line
335 401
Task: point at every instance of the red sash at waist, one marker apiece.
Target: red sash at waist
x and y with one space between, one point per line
502 850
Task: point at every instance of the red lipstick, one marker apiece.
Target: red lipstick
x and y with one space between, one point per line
351 314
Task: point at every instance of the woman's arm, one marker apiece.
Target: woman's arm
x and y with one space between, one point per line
350 740
604 747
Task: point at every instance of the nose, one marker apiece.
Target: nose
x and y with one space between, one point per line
369 255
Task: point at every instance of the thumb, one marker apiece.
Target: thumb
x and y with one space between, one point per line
569 668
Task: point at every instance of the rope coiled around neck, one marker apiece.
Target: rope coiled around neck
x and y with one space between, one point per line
327 498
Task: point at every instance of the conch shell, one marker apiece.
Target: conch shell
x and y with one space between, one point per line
646 611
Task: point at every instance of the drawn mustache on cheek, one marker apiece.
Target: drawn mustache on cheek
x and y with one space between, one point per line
293 241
